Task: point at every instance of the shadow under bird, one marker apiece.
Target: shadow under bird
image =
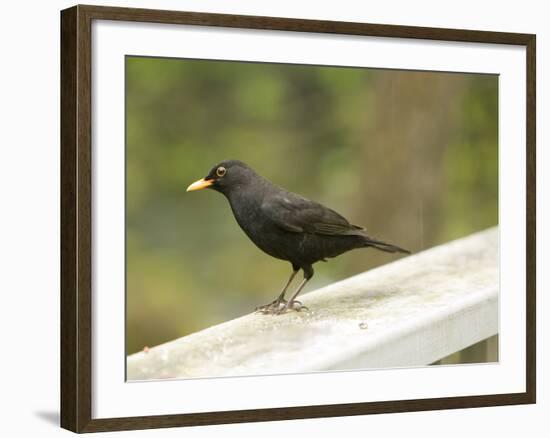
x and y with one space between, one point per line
286 225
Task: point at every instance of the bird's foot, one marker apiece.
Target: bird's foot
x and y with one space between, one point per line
293 305
272 307
278 307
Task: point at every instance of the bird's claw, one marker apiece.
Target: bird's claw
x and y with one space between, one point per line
271 307
279 307
294 305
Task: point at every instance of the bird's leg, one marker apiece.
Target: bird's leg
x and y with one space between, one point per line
293 303
276 303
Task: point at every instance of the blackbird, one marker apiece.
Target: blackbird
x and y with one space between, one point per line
285 225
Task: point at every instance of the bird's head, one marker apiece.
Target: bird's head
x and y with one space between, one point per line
226 176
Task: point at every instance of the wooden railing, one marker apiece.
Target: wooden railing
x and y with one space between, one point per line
414 311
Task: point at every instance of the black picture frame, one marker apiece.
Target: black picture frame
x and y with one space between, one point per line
76 217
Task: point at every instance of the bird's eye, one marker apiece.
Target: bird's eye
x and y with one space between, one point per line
220 171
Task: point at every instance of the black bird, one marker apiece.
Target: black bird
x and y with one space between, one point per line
285 225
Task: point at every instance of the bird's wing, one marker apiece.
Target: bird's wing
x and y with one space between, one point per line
297 214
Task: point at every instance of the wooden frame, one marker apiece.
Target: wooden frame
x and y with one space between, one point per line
76 238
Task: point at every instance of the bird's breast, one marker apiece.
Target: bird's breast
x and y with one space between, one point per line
259 229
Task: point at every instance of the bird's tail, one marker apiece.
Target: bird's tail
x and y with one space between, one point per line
383 246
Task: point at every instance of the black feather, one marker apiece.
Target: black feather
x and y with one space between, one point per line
286 225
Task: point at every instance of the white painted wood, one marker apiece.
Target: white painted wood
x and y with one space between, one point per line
411 312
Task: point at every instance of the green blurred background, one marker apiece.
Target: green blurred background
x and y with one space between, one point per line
412 156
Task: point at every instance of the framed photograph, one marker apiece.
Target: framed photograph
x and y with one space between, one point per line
211 164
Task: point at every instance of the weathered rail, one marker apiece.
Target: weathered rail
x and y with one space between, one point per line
411 312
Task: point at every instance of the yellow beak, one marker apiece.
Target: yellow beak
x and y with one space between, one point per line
200 184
